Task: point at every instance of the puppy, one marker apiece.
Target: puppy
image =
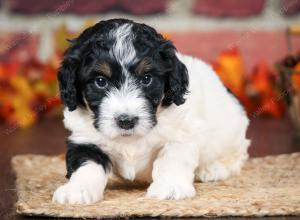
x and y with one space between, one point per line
138 109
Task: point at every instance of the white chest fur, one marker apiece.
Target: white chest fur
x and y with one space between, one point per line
132 157
133 162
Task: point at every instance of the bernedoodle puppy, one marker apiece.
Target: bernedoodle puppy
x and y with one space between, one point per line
138 109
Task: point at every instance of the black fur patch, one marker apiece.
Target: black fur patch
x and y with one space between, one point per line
78 154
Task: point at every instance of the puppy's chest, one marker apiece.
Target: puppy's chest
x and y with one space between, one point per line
133 162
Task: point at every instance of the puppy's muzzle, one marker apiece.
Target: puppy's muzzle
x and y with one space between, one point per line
126 122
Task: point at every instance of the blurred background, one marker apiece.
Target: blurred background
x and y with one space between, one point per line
254 46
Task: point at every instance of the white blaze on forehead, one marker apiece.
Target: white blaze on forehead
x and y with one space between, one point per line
128 99
123 49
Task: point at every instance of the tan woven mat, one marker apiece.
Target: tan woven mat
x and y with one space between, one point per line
266 187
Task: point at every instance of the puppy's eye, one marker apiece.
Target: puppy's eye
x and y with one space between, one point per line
146 80
101 82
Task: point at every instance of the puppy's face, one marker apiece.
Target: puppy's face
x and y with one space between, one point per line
122 71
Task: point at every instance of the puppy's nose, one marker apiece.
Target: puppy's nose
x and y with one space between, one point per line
126 121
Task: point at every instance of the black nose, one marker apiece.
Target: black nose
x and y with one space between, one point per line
126 121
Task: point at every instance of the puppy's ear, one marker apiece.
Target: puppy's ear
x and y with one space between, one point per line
68 73
67 81
177 76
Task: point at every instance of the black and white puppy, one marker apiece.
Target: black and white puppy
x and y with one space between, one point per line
139 109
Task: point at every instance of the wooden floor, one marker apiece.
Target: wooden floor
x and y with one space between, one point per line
268 136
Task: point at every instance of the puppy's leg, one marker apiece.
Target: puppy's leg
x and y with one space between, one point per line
87 170
227 165
173 172
213 172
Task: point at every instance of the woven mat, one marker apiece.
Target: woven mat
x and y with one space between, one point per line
266 187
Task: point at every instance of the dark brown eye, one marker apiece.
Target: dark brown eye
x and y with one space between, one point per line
146 80
101 82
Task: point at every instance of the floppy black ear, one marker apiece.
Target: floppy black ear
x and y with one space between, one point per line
67 82
177 76
68 72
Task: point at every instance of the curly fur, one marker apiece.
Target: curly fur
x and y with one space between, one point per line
187 125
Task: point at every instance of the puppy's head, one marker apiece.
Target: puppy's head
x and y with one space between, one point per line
122 71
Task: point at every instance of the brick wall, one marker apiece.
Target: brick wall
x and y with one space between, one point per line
199 27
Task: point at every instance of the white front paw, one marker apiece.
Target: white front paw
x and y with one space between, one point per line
74 193
167 190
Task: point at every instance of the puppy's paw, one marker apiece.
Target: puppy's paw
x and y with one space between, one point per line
74 193
170 190
213 172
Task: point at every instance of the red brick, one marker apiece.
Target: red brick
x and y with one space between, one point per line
254 45
236 8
